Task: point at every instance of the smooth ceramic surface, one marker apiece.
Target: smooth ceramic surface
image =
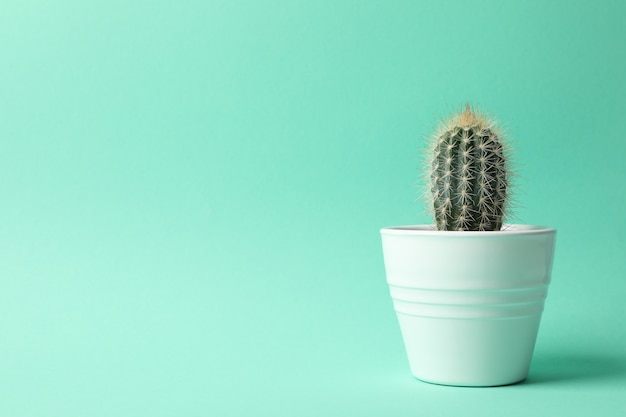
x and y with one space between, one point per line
469 304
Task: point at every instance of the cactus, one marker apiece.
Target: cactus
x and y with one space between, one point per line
469 176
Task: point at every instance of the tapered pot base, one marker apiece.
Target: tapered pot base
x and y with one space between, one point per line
470 352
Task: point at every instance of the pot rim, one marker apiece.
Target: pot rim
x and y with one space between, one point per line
430 230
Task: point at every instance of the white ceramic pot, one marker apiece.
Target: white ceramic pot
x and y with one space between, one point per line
469 303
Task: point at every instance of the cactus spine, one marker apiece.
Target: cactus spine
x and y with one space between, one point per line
469 177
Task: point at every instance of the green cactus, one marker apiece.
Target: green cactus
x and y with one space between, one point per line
469 176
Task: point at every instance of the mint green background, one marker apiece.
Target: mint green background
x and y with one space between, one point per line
191 193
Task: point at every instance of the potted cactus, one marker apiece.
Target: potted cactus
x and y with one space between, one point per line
469 290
